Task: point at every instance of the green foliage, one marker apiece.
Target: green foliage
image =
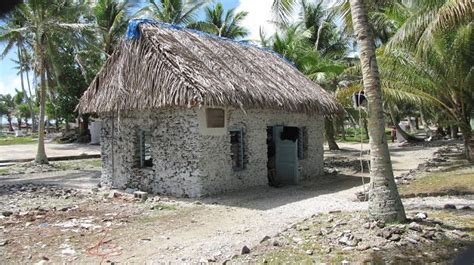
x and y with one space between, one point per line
179 12
222 23
16 140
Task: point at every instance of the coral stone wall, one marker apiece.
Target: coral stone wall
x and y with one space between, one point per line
189 161
216 169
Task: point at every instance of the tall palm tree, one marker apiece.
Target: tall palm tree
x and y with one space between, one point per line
222 23
179 12
43 19
384 201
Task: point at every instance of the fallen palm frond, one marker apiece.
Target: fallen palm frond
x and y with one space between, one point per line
170 66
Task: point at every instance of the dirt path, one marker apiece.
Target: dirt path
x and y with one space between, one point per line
28 151
216 228
220 229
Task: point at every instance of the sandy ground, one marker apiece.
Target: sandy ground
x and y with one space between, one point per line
218 227
28 151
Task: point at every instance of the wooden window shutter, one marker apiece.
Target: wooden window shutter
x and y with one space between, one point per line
215 118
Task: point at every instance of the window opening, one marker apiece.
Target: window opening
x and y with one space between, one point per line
237 148
145 149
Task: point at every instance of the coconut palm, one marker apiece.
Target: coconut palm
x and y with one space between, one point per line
16 39
179 12
7 107
429 18
111 20
43 19
222 23
445 74
384 201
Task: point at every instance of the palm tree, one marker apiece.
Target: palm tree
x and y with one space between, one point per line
444 76
429 18
222 23
384 201
179 12
111 20
16 39
7 106
43 19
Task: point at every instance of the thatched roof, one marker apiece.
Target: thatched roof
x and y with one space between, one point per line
160 65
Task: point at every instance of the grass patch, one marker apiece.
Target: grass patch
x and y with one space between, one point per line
164 207
4 170
78 164
8 140
458 181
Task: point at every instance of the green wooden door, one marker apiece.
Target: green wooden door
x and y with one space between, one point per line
286 158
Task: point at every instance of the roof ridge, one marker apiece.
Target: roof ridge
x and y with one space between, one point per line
133 32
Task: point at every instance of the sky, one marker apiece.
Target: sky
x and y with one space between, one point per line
259 15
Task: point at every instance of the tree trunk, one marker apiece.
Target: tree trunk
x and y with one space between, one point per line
10 125
41 157
466 131
18 120
22 82
384 201
329 129
366 128
454 132
34 125
84 125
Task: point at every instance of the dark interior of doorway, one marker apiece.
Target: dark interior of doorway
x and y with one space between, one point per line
289 133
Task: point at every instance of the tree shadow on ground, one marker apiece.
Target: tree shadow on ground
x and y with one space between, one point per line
75 180
266 197
438 252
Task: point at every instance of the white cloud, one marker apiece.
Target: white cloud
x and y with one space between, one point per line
260 15
9 83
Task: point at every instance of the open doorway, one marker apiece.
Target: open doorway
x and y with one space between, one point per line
283 164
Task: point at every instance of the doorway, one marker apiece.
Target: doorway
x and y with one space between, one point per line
283 164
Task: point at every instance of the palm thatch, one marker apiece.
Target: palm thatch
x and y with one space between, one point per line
169 66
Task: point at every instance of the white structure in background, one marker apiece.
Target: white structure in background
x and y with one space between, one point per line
95 128
403 126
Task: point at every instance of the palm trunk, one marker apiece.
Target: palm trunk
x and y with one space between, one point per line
32 110
41 157
366 128
9 120
466 131
384 201
18 120
329 128
28 98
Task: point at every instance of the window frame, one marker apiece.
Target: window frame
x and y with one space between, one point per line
142 148
240 131
207 111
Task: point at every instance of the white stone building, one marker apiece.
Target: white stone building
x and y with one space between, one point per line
189 114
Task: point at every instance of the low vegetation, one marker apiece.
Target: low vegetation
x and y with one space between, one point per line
9 140
455 182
